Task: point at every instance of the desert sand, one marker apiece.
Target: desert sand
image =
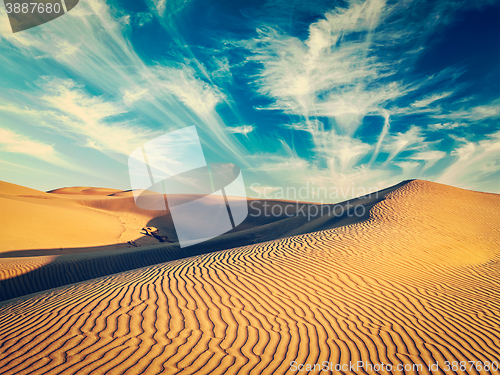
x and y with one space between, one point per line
34 221
67 218
416 281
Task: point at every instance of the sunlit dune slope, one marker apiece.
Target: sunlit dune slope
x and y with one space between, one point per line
31 219
416 283
68 218
6 188
78 219
267 220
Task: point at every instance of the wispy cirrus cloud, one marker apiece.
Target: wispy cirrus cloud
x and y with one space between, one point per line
399 142
445 125
428 100
89 120
429 158
475 163
337 76
474 113
141 99
341 151
13 142
338 94
242 129
88 117
133 94
332 72
279 163
142 18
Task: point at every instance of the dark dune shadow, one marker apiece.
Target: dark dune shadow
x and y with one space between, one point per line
101 261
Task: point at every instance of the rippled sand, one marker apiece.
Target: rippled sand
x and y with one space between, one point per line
418 282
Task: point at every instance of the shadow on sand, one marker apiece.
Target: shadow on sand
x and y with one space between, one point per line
89 263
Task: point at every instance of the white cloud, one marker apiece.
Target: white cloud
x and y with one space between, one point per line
408 168
428 157
87 116
196 94
487 111
201 99
397 143
385 130
164 97
242 129
166 9
20 144
160 6
21 39
341 152
130 96
445 125
335 74
474 113
474 164
274 163
13 142
431 99
325 75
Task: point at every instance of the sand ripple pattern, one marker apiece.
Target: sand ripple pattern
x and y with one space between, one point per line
417 283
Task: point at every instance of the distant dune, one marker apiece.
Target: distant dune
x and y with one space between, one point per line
80 190
414 282
113 225
62 219
32 219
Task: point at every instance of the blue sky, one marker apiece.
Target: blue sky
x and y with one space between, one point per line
347 95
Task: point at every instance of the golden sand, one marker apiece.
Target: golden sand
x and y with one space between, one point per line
417 283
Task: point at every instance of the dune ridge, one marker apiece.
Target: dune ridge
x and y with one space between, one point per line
416 283
85 190
78 264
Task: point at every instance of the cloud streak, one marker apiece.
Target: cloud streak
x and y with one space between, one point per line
16 143
337 101
242 129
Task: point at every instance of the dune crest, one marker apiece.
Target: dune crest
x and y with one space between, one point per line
82 190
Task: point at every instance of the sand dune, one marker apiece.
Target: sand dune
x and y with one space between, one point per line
7 188
41 220
59 222
415 283
63 218
81 190
33 265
